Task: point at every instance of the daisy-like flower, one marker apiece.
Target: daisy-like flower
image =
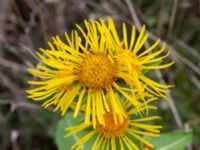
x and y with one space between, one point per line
121 136
88 71
138 61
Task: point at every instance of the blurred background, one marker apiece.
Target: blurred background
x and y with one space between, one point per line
26 25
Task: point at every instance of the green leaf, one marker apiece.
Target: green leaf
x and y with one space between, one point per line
66 121
66 143
176 140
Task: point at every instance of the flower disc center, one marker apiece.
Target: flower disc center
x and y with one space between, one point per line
110 128
96 71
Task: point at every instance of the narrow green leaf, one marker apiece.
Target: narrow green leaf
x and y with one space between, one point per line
177 140
66 143
66 121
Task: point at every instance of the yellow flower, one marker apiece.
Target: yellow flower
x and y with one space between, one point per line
91 69
122 134
138 61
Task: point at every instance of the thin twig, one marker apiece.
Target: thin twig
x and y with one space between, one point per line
21 104
12 65
160 16
199 6
176 55
29 50
16 52
189 49
195 81
172 18
14 89
158 73
188 129
5 102
40 11
4 6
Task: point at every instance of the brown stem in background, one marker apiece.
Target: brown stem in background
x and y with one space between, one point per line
172 19
158 73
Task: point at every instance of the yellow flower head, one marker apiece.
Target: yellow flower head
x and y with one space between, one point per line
115 136
92 68
137 60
